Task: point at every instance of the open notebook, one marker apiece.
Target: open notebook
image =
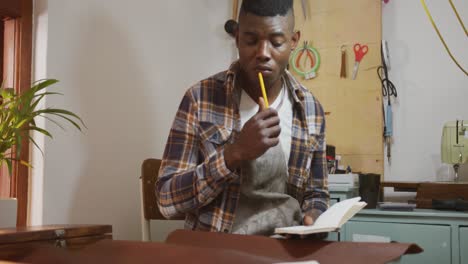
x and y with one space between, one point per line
331 220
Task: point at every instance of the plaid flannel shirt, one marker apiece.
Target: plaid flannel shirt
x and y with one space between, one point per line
194 180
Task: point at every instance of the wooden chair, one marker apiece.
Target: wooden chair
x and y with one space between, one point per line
150 210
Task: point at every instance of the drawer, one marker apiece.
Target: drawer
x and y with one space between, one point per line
464 244
434 239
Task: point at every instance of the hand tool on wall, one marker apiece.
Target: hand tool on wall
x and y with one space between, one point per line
388 90
388 131
235 9
359 52
343 62
304 8
311 55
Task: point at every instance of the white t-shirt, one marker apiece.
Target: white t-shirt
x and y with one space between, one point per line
283 104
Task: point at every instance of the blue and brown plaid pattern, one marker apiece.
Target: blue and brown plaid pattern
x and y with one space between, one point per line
194 180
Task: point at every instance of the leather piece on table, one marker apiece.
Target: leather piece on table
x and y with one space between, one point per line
119 252
184 246
296 249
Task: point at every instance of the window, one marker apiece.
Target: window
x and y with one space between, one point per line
15 70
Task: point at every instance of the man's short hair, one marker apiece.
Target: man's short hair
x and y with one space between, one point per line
267 8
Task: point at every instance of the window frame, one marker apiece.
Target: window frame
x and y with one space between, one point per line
20 12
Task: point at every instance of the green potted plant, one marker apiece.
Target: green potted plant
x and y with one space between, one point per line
17 118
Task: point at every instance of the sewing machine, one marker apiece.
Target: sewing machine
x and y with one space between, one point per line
454 147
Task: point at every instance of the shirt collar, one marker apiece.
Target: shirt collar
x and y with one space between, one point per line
295 87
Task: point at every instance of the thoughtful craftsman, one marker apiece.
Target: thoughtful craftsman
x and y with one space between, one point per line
231 164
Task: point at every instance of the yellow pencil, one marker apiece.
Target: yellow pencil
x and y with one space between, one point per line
262 86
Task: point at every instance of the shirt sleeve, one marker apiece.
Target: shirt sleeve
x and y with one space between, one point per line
316 195
186 183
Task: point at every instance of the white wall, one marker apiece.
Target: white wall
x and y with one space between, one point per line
123 67
431 89
39 71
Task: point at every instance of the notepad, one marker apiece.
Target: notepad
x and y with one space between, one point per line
331 220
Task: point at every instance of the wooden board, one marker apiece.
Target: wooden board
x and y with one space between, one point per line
402 186
15 243
355 122
10 8
428 191
51 232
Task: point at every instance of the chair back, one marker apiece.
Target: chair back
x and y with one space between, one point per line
149 176
150 210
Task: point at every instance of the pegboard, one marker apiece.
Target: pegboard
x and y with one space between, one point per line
354 107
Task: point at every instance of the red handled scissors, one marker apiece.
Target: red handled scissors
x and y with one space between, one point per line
359 52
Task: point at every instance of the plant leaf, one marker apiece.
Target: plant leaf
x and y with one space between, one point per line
40 130
17 119
9 165
35 144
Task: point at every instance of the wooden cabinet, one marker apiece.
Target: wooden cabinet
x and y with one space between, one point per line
15 243
442 234
434 239
463 245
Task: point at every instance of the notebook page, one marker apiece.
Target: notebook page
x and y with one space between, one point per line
332 217
354 209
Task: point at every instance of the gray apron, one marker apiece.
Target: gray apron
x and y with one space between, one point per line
264 204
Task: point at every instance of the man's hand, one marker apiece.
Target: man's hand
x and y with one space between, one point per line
259 134
311 216
308 220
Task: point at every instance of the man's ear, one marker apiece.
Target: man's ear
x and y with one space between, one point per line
230 27
295 39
